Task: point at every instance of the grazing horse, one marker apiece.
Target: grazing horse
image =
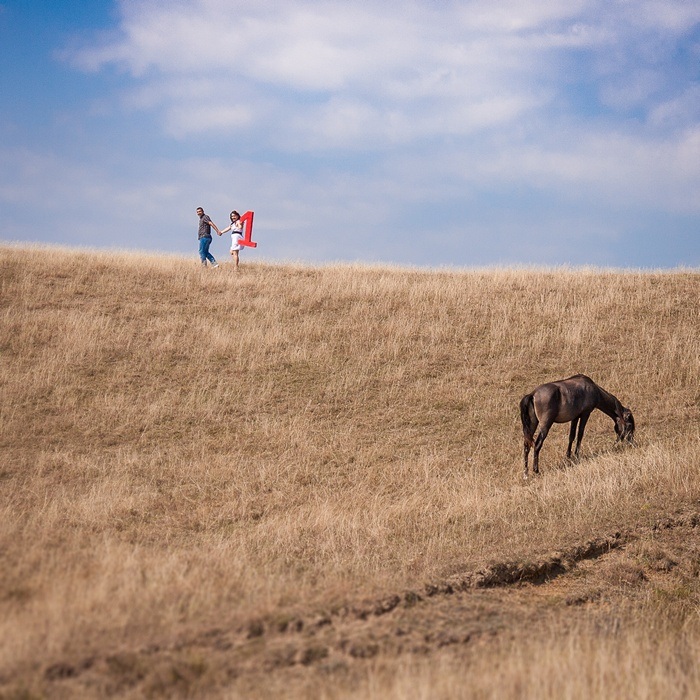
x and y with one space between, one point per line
572 399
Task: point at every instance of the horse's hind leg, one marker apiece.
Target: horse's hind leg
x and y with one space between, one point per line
527 444
530 422
544 429
572 435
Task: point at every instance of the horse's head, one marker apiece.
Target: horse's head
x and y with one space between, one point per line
624 426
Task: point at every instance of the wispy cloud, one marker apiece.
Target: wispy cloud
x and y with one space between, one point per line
338 64
355 73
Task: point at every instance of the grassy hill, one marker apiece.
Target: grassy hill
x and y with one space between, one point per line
202 469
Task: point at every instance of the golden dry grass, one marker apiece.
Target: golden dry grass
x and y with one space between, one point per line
185 448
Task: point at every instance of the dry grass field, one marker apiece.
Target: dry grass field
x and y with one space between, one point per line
307 482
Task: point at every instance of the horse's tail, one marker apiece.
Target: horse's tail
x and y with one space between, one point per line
528 418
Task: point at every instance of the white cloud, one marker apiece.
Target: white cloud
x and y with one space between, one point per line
683 109
328 62
332 77
356 72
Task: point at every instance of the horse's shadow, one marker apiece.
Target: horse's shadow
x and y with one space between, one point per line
571 462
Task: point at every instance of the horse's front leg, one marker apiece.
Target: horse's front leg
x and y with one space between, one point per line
581 428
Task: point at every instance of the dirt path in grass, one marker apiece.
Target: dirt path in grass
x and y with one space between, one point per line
466 615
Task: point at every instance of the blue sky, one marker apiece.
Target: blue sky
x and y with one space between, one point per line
436 133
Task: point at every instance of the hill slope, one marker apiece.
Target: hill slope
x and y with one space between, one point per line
191 452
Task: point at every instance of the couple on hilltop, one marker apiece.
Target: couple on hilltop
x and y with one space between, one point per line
205 225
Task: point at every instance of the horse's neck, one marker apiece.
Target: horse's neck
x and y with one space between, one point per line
609 404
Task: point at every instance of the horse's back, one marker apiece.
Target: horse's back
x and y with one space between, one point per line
565 399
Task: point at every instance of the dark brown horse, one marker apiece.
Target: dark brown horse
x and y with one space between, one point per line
572 399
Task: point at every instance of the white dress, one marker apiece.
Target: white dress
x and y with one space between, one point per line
236 235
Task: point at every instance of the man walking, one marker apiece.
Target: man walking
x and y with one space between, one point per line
205 224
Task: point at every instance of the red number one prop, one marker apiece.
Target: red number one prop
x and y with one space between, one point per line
247 223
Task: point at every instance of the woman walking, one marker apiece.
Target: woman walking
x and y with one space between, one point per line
236 229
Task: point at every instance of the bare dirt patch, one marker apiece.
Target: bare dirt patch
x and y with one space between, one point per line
599 585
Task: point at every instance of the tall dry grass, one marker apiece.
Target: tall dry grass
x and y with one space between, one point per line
184 447
633 665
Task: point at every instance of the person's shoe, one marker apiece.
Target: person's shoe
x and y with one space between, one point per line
215 264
